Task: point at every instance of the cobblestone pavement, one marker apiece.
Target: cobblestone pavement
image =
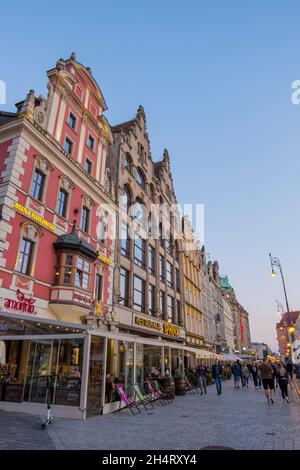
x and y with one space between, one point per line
238 419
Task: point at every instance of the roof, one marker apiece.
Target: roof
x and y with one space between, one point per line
225 285
6 117
124 126
73 243
285 318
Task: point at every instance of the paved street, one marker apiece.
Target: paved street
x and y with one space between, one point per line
238 419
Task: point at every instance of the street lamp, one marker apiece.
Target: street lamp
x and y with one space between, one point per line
275 263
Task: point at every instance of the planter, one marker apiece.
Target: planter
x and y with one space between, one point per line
168 385
180 386
13 392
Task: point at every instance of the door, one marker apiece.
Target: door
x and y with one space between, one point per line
96 371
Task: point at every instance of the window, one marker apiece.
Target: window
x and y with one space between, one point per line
125 241
139 251
124 284
68 146
169 246
25 257
82 273
72 121
170 308
88 166
162 303
151 259
177 280
140 212
138 294
62 203
161 268
151 299
102 229
140 178
85 216
126 201
91 142
68 269
170 280
128 162
161 240
38 184
99 287
178 310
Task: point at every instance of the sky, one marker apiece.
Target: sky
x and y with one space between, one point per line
215 80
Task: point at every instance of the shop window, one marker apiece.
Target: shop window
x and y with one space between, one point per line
124 287
25 256
62 203
151 259
139 251
119 367
138 294
170 279
85 219
38 184
151 299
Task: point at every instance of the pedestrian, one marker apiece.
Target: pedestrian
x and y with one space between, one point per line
236 372
202 374
254 372
245 375
283 381
217 372
267 373
259 375
275 380
290 368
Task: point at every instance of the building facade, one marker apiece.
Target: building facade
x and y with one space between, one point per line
191 287
229 326
282 332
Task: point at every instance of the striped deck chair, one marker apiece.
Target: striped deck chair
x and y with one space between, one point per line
159 395
140 396
125 398
160 388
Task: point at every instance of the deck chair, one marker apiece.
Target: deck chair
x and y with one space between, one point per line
125 398
158 394
160 388
190 387
140 396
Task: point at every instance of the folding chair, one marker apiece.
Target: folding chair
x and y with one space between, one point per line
129 403
190 387
140 396
161 397
161 389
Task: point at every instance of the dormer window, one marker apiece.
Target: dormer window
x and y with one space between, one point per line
91 142
72 121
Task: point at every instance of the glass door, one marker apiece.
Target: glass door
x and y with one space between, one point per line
96 371
38 371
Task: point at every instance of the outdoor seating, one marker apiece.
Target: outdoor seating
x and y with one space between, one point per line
190 387
161 389
140 396
159 395
127 400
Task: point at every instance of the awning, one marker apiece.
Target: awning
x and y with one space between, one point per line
231 357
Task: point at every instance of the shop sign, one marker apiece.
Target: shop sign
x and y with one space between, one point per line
154 325
22 304
171 330
166 328
33 216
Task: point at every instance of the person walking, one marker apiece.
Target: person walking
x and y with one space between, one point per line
283 381
259 375
217 373
275 380
236 372
254 372
202 376
245 375
267 373
290 368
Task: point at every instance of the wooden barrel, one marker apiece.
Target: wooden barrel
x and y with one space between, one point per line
168 385
180 386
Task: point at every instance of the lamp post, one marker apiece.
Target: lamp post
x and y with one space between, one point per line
275 263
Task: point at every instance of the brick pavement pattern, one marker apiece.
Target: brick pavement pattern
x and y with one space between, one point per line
239 419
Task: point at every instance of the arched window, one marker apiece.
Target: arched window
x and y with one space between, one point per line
126 199
152 192
128 161
140 178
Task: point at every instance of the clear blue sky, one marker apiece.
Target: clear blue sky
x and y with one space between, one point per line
215 80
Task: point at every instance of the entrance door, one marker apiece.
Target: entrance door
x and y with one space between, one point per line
96 371
38 371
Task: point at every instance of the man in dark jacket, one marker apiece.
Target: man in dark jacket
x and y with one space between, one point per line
237 373
217 374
